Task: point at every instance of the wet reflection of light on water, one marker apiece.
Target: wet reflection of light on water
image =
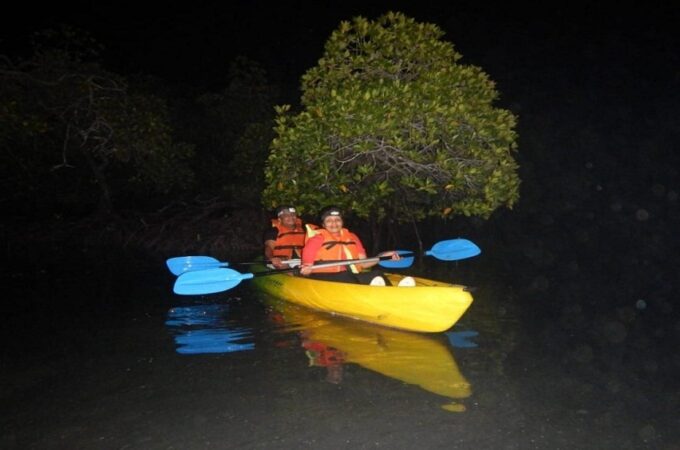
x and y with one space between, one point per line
414 358
203 329
462 339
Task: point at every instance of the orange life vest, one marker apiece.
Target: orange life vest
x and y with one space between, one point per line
334 248
322 355
288 243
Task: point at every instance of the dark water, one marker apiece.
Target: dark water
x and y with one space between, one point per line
105 356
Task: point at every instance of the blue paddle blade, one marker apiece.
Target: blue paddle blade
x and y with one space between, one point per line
208 281
460 339
212 341
405 261
181 264
454 249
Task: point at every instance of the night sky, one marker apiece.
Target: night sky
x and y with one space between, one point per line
193 42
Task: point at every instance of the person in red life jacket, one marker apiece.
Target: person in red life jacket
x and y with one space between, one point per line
332 242
285 239
322 355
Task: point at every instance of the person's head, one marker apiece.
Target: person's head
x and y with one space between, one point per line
287 215
331 219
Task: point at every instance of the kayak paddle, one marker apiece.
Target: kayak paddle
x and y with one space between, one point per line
214 280
210 281
180 264
200 275
454 249
449 250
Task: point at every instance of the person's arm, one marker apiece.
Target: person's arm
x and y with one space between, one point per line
361 251
309 252
269 249
269 244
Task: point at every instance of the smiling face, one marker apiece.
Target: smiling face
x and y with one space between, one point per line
287 219
333 224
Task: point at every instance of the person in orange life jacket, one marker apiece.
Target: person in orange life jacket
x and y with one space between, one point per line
322 355
332 242
285 239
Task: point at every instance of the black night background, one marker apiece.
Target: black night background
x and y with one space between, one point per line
574 315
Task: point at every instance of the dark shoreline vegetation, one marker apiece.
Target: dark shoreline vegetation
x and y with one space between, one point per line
214 230
596 156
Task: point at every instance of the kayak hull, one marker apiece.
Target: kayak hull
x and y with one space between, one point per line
430 306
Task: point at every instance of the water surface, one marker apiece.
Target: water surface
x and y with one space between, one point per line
115 360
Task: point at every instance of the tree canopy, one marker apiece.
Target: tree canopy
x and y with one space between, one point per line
392 123
232 132
73 135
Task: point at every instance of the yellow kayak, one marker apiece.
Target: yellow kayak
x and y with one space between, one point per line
409 357
429 306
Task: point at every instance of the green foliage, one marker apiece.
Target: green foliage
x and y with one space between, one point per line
73 134
145 144
393 124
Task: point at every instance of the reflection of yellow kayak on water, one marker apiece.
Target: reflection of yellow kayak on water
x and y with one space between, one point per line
429 306
409 357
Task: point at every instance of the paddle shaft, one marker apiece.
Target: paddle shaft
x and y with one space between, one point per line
283 261
448 250
347 262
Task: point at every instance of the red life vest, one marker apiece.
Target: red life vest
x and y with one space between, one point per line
288 243
335 248
322 355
